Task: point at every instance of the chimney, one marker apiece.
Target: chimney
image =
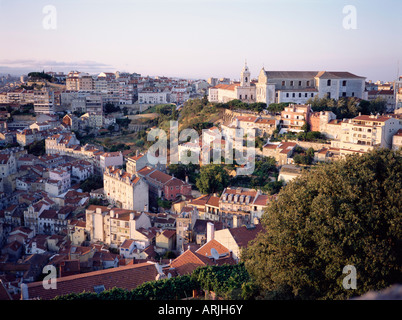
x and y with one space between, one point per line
136 153
24 291
146 208
132 216
210 231
112 213
186 179
235 221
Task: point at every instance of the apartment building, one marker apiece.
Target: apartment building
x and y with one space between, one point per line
124 190
44 102
108 159
239 206
294 117
114 225
281 151
366 132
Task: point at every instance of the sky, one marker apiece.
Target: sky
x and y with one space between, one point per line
201 38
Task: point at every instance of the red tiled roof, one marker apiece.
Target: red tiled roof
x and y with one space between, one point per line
126 277
187 262
372 118
243 235
205 250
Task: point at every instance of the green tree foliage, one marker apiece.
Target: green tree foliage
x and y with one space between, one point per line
237 104
348 107
92 183
37 148
180 171
110 108
40 75
213 178
166 204
277 107
343 213
226 281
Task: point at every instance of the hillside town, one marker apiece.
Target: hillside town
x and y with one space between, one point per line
101 214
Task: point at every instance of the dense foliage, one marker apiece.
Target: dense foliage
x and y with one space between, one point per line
213 178
240 105
37 148
40 75
92 183
348 107
227 281
343 213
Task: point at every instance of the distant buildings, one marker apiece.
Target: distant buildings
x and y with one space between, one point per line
289 86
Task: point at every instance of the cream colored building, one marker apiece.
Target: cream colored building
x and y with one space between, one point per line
364 133
397 140
114 226
127 191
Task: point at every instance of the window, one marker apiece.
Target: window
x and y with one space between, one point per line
305 95
283 83
308 83
312 95
353 94
246 97
293 95
291 83
240 97
328 83
287 95
300 83
329 95
299 95
344 83
343 94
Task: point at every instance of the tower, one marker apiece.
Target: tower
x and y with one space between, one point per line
245 76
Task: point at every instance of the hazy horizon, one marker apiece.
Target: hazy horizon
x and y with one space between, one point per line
199 39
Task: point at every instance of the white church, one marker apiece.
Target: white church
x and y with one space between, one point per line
289 86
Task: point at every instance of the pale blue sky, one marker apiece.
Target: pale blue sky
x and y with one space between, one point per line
202 38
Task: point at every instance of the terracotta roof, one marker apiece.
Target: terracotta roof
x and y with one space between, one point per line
261 200
126 277
187 262
213 201
127 243
169 233
205 250
372 118
243 235
226 86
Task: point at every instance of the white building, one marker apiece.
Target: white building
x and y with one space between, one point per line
290 86
127 191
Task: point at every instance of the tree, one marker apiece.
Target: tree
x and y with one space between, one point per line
213 178
92 183
343 213
37 148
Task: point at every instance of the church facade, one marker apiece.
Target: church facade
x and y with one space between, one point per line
289 86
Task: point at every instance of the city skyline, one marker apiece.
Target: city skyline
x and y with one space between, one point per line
201 39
